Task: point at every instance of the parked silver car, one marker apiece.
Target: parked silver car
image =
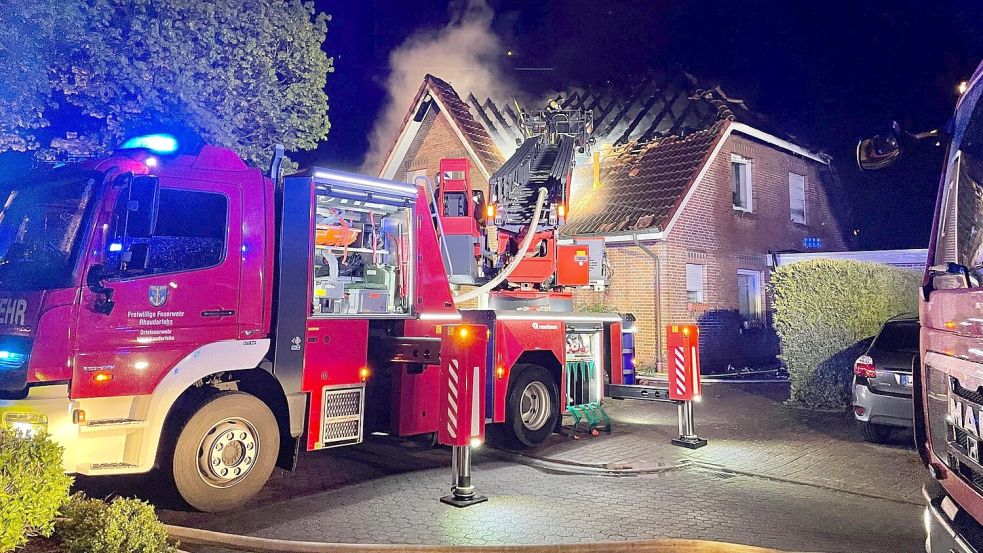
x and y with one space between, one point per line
882 379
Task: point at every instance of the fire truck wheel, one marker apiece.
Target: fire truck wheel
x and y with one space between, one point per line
225 452
531 406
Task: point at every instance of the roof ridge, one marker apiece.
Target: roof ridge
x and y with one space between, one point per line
458 113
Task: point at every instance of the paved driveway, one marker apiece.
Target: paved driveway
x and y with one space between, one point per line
770 477
750 430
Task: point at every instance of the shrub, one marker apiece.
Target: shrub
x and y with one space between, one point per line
32 486
598 307
825 312
120 526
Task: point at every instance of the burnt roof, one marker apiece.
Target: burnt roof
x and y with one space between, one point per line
472 130
634 110
656 134
488 153
643 186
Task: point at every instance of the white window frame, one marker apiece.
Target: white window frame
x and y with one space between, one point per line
791 205
757 305
701 292
746 187
412 175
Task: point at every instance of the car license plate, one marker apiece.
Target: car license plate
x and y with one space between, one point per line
905 380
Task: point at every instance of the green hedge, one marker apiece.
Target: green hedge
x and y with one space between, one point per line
33 486
825 312
120 526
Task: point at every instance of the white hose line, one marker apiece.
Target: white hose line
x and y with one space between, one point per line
526 242
234 542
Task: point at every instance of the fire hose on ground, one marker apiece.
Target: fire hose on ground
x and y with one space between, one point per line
194 536
523 248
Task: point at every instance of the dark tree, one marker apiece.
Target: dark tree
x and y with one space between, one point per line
78 75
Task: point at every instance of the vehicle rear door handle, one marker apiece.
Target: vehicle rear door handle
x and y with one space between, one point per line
218 313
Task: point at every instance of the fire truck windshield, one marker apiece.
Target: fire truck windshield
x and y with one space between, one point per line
960 234
41 221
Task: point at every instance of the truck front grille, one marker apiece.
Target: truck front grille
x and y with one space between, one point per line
972 474
970 395
937 407
960 442
955 444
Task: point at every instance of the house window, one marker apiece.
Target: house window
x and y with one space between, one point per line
412 175
797 197
749 294
741 181
694 283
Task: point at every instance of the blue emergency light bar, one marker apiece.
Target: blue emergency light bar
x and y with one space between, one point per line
157 143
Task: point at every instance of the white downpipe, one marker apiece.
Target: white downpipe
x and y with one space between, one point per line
526 242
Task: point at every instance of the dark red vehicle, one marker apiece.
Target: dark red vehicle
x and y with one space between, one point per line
179 309
948 391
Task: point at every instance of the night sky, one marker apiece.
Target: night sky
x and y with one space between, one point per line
824 71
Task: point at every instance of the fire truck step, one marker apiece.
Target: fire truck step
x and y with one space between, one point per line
129 425
343 416
101 468
582 403
591 414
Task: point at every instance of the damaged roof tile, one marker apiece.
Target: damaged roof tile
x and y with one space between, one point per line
642 189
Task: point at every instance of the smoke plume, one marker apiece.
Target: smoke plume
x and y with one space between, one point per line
465 53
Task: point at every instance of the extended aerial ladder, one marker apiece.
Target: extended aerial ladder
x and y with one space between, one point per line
507 242
507 246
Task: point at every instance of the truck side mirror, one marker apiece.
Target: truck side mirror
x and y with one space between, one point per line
141 207
948 276
137 258
94 280
879 151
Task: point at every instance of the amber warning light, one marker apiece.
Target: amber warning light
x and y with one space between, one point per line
102 376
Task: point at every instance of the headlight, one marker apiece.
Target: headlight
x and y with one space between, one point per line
28 424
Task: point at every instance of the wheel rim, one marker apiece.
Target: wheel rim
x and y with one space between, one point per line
228 452
534 408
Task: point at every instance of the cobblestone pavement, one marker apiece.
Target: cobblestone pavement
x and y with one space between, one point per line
803 483
750 430
526 506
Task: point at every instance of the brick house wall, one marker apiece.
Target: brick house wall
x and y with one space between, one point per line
710 232
439 141
631 290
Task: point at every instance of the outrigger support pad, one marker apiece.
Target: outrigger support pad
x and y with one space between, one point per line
687 433
462 491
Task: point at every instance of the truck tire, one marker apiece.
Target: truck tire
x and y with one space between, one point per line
225 452
874 433
532 407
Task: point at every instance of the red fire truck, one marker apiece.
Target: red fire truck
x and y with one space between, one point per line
948 382
175 308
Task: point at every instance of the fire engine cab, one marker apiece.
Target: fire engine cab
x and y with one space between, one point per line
175 308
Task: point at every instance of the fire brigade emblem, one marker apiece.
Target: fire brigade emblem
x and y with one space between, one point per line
157 295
